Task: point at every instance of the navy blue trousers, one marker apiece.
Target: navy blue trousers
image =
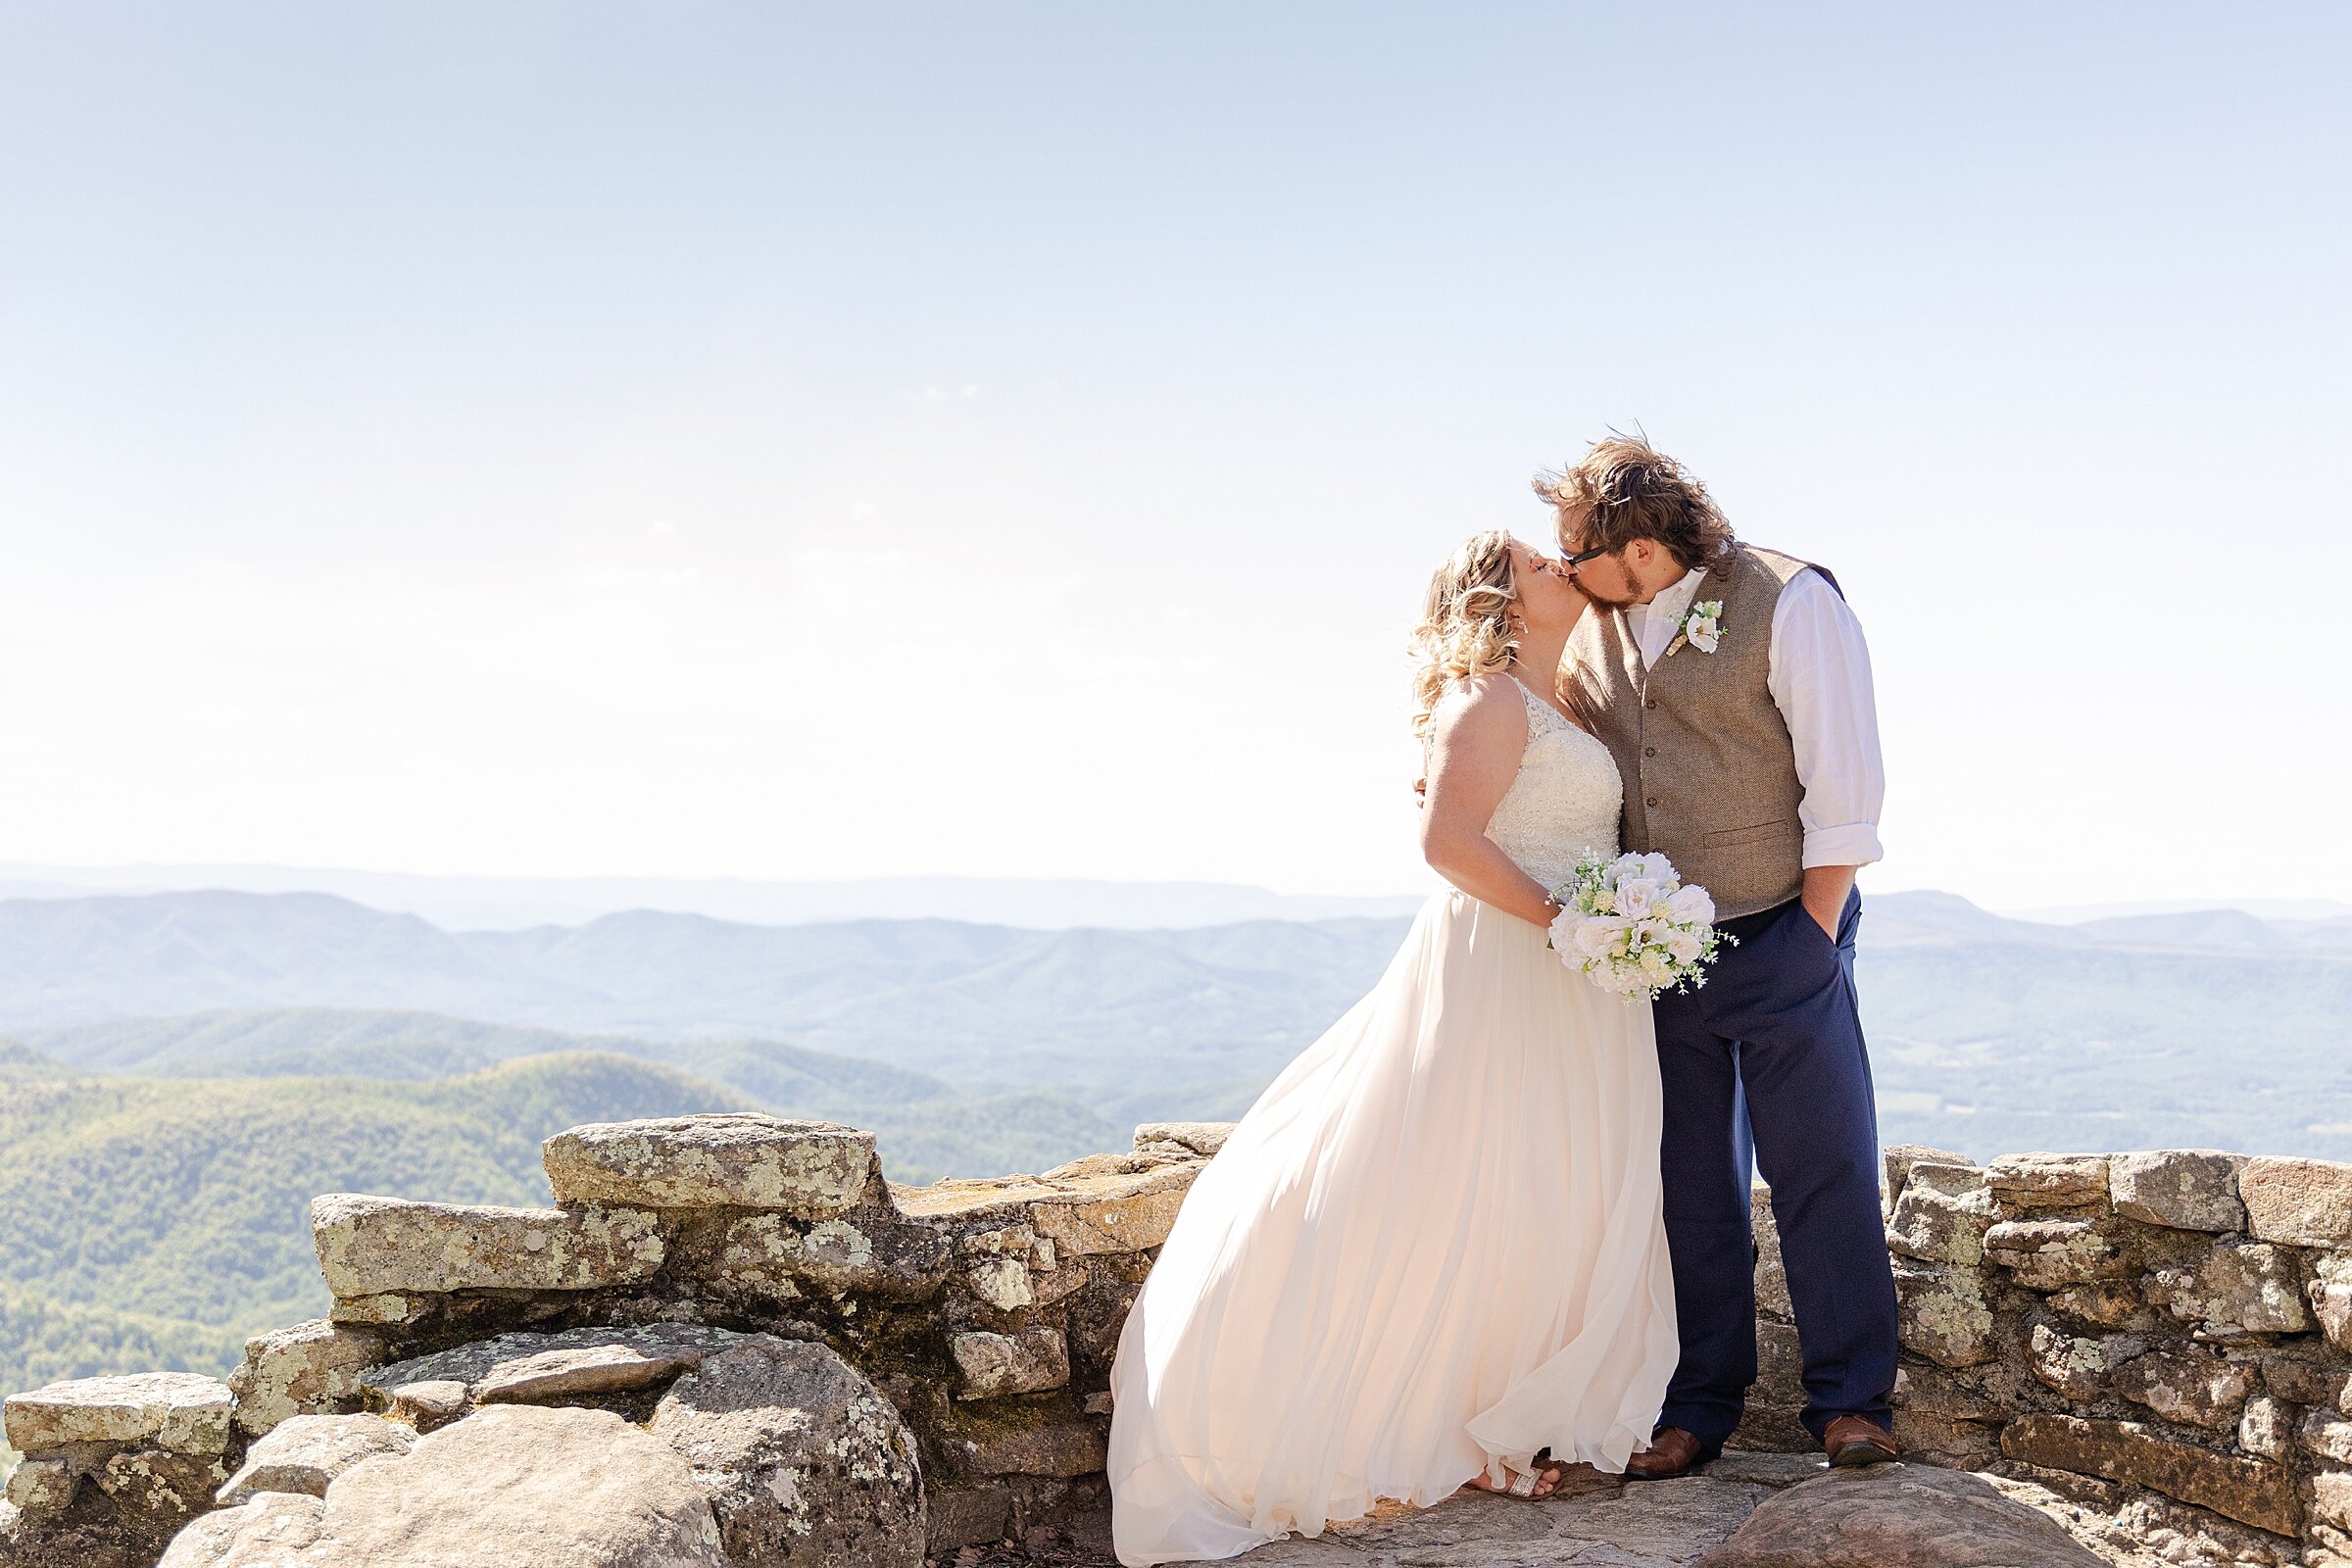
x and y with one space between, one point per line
1766 1061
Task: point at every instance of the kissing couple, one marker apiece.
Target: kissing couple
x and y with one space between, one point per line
1495 1222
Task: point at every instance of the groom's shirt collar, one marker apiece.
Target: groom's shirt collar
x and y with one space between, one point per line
1652 624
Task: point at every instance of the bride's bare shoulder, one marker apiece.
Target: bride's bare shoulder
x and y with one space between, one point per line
1478 704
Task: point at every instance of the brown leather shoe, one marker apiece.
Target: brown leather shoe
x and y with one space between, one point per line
1858 1440
1672 1452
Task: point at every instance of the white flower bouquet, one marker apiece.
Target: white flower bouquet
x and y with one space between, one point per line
1633 928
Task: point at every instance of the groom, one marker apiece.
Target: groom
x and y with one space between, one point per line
1733 685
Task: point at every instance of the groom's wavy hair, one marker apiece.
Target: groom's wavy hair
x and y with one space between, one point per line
1625 489
1465 627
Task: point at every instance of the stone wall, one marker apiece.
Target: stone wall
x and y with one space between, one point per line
779 1358
2163 1338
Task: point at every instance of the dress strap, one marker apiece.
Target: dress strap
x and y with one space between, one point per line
1542 714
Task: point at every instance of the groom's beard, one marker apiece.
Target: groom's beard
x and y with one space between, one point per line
1605 601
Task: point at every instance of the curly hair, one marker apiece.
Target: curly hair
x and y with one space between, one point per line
1625 489
1465 627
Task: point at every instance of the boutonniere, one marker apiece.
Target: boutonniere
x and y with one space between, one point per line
1702 628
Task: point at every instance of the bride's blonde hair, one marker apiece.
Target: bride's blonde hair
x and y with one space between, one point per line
1465 627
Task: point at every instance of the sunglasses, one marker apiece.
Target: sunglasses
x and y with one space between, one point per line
1583 556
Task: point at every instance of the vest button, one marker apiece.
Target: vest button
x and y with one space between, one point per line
1649 701
1649 751
1654 799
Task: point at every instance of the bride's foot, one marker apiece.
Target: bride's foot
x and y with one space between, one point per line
1539 1482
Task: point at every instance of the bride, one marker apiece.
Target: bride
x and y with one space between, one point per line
1434 1248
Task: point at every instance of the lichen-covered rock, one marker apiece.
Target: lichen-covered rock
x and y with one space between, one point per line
310 1369
511 1484
158 1488
2327 1435
2075 1367
2047 1253
2193 1387
2104 1303
2237 1289
42 1488
1896 1516
995 1365
2267 1429
1113 1214
1942 1214
780 1258
805 1464
1004 1282
2249 1490
1895 1161
1203 1138
535 1368
2331 1298
177 1412
305 1453
1942 1315
2303 1203
2301 1372
742 1159
2154 1526
2048 1181
384 1309
2186 1189
370 1246
2331 1498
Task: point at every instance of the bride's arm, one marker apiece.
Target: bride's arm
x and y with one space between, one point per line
1479 736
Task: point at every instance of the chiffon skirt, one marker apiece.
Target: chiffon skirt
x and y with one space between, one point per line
1433 1247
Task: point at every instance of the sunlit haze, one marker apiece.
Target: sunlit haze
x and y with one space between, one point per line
552 440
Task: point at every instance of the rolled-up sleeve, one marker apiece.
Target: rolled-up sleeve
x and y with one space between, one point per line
1820 677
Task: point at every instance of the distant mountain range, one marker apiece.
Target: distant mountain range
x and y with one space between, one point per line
2212 1027
513 903
194 1065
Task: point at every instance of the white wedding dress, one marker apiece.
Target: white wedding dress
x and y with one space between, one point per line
1434 1246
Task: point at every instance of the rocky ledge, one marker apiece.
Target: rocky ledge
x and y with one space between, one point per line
731 1342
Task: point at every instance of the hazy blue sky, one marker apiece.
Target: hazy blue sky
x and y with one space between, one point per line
1011 440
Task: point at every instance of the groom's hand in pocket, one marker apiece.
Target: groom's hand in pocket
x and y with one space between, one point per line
1827 888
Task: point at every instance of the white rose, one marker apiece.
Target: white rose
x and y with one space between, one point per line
1592 935
1620 868
1657 868
1691 906
1635 896
1684 945
1563 932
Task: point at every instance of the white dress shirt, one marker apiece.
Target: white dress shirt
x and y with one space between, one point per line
1819 675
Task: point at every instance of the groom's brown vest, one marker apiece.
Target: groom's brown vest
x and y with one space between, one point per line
1710 775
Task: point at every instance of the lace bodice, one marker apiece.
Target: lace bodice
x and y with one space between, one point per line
1565 800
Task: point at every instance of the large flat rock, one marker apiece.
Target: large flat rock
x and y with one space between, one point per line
176 1413
372 1245
736 1161
1898 1516
506 1486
